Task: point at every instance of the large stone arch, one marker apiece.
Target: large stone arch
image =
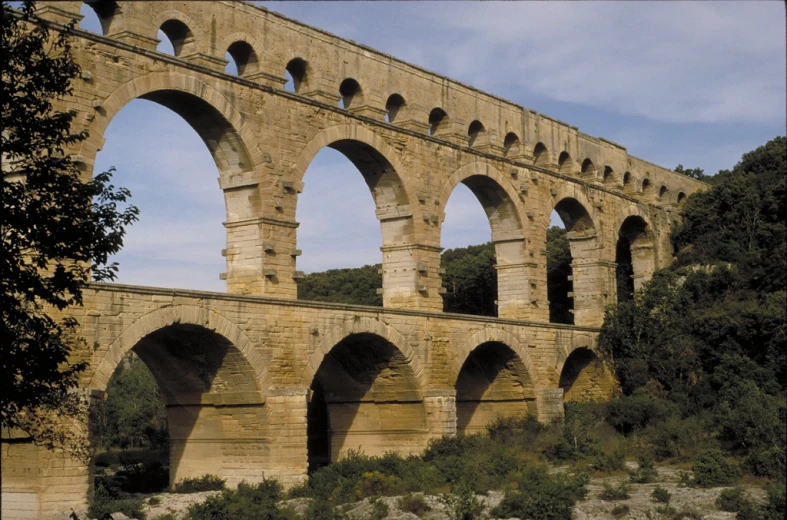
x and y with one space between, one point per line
581 372
174 315
503 209
496 379
497 335
497 179
577 192
362 325
366 388
357 133
237 134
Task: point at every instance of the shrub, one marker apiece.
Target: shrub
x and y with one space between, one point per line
144 477
620 492
380 509
414 503
777 502
203 483
711 469
645 473
732 499
608 463
154 501
620 510
374 483
247 502
321 509
767 463
634 412
542 495
463 504
104 503
661 495
165 516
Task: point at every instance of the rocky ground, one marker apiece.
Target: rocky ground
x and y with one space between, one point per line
699 502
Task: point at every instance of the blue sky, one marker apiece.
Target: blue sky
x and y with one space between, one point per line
695 83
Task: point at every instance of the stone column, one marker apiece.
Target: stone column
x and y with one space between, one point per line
440 408
412 277
594 289
288 461
594 278
644 263
517 296
549 402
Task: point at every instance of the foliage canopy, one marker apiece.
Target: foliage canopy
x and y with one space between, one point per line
58 226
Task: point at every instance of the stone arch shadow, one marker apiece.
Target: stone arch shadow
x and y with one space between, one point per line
581 373
211 377
365 393
494 377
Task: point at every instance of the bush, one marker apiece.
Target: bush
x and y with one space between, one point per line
634 412
661 495
712 469
542 495
104 503
463 504
767 463
247 502
321 509
607 463
154 501
414 503
203 483
620 510
380 509
620 492
645 473
732 499
777 502
374 483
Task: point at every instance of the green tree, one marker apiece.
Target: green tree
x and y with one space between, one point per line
710 331
471 280
134 414
558 273
356 286
58 229
694 173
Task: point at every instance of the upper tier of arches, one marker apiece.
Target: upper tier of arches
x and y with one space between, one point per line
269 48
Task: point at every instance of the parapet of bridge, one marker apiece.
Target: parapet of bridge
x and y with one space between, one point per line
258 383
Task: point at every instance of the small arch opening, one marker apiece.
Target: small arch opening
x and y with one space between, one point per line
564 163
475 129
97 16
349 90
627 179
511 144
436 118
647 187
609 175
392 106
663 191
242 59
175 36
588 168
295 72
681 199
540 155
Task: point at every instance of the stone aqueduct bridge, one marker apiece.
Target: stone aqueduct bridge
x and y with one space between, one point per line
260 383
